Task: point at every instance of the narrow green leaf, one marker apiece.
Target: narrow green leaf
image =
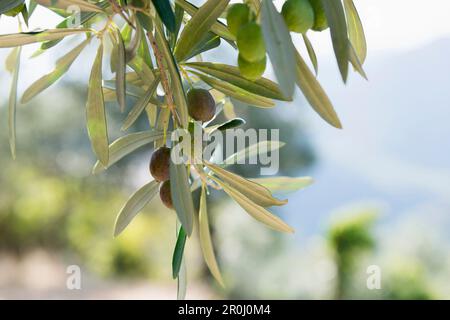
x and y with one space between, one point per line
279 47
355 31
134 205
252 151
126 145
165 12
64 4
311 53
32 7
162 124
263 87
284 184
181 196
140 105
314 93
230 124
209 42
256 193
23 38
179 15
178 253
257 212
205 240
182 281
338 29
120 73
62 66
197 27
236 92
354 60
95 111
13 66
175 79
217 27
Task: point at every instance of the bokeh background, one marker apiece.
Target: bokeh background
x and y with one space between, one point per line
380 197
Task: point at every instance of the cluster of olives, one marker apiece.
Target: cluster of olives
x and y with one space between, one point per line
201 107
242 24
302 15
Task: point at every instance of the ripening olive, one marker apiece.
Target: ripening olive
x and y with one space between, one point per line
160 163
201 104
165 195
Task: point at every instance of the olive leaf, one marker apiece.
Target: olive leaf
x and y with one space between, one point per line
178 253
230 124
23 38
279 47
205 239
198 26
314 93
255 192
7 5
181 195
217 27
284 184
62 66
182 282
120 71
165 12
251 151
134 205
338 29
236 92
125 145
13 66
162 123
142 69
95 111
311 53
209 42
140 105
63 4
256 211
355 31
175 79
354 60
263 87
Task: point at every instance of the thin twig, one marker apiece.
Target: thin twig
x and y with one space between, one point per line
118 9
164 79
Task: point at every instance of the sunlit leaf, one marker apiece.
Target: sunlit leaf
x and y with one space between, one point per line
198 26
217 27
23 38
311 53
284 184
338 29
62 66
205 240
263 87
95 111
64 4
354 60
355 31
279 47
257 212
236 92
13 66
256 193
314 93
134 205
181 196
178 253
252 151
126 145
140 105
175 79
209 42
